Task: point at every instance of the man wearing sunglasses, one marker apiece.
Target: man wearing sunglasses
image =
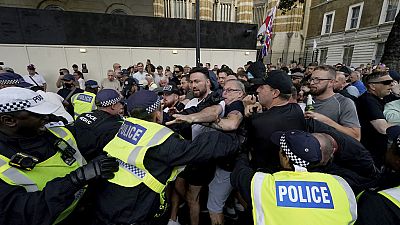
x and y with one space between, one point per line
370 108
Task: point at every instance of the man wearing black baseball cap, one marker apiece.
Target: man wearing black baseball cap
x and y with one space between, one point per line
171 101
273 93
295 196
149 154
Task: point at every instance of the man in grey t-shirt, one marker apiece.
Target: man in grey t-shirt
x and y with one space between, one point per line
332 109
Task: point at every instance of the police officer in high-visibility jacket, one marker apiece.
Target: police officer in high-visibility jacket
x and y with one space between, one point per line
93 130
382 206
42 173
85 102
296 197
149 155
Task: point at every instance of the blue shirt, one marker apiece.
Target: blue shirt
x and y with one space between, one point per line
360 86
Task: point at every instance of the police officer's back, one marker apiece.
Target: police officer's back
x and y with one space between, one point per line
42 174
85 102
95 129
296 196
149 155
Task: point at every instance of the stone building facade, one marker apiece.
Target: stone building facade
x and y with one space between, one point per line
352 32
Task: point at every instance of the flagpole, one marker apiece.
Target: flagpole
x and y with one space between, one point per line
197 33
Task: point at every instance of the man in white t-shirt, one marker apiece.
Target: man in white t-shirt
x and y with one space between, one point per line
196 176
140 75
34 78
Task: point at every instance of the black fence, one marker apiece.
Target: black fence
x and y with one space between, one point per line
34 26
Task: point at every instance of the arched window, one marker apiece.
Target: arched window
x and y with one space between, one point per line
119 12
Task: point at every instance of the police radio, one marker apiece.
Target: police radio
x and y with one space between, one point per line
23 161
67 152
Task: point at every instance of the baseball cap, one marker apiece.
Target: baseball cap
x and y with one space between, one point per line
346 70
146 99
8 78
125 72
68 77
277 79
170 89
302 148
31 67
107 97
91 84
14 99
297 74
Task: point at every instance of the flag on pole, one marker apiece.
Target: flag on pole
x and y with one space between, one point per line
265 32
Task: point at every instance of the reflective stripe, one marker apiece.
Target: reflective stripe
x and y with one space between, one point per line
2 162
153 141
20 179
137 172
134 154
350 197
159 135
394 192
257 198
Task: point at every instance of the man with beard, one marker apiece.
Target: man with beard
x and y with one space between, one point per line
370 106
332 108
197 175
171 101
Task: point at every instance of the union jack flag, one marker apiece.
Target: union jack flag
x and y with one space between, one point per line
265 32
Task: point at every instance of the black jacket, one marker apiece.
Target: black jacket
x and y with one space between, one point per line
117 204
19 207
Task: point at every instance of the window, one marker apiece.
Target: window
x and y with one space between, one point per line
119 12
175 8
54 7
323 56
347 55
380 47
327 24
390 8
258 14
354 16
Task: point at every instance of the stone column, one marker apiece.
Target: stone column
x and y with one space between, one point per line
206 9
158 8
245 11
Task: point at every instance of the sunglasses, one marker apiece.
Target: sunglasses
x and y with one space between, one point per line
384 82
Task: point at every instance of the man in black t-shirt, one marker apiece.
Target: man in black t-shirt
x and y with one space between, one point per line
273 92
370 106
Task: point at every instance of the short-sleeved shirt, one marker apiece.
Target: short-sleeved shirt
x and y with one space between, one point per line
370 108
197 128
39 79
107 84
338 108
262 125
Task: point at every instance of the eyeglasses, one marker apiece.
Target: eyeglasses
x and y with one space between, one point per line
316 80
384 82
230 90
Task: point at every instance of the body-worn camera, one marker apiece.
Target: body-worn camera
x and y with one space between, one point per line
67 152
23 161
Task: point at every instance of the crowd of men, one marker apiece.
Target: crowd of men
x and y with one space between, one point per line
282 145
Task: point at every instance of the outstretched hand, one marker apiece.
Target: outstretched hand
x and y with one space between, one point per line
180 119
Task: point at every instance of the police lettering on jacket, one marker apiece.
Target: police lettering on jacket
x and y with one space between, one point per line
85 98
303 194
131 132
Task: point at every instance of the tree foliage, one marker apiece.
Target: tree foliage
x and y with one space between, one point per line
287 5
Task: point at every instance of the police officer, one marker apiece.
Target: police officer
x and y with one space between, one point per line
296 196
9 79
382 206
93 130
84 102
149 155
42 173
